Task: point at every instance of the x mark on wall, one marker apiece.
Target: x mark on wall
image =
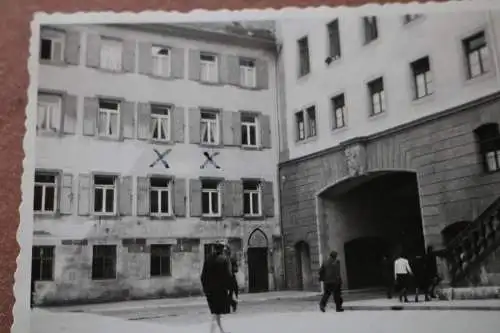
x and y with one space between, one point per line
161 158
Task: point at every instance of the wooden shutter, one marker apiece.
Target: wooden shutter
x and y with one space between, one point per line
227 128
233 70
194 65
195 197
128 56
127 119
265 130
177 61
267 199
93 50
142 196
262 73
237 128
69 114
145 58
178 124
72 48
222 68
84 194
232 197
179 194
143 121
66 194
125 197
90 111
194 125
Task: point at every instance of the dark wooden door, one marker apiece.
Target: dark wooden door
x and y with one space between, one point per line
257 270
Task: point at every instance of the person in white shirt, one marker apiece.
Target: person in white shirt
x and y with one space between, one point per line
402 271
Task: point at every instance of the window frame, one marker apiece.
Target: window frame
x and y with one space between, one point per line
56 185
54 36
211 191
334 108
209 123
301 135
160 118
488 141
250 193
113 257
42 260
161 273
310 128
108 113
304 64
55 107
247 71
203 64
370 29
483 59
415 67
167 189
109 43
249 125
334 40
382 96
159 61
104 188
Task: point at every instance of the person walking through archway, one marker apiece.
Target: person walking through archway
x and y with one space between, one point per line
216 283
402 272
329 274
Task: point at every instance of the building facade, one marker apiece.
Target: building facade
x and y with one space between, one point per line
392 138
153 143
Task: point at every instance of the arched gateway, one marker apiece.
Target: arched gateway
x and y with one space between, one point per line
258 269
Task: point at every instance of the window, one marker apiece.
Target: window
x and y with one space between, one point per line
422 77
410 18
51 45
311 121
210 198
252 198
105 194
111 54
304 62
45 193
377 96
42 263
334 39
208 67
488 136
160 123
108 122
249 130
209 127
301 131
161 61
338 107
103 262
248 75
476 53
160 260
49 112
159 195
371 28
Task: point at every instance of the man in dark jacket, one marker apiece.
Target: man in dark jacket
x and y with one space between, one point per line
431 274
234 281
329 274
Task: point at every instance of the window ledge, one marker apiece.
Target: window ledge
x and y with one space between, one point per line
110 216
252 148
375 42
161 142
48 134
253 217
304 77
210 83
422 100
108 138
160 277
483 77
162 217
334 62
104 280
111 71
211 218
307 140
46 214
336 130
208 145
374 117
162 77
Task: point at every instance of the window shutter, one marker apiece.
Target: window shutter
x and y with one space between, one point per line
194 65
93 50
178 124
226 198
127 109
232 197
66 194
84 194
227 129
142 196
194 125
69 114
233 70
223 68
195 197
143 121
267 199
128 56
177 62
179 194
237 128
72 48
262 73
125 196
90 110
145 58
265 130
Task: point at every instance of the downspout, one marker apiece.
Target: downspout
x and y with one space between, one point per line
491 23
277 54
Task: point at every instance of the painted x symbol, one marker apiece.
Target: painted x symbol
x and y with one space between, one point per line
160 158
209 159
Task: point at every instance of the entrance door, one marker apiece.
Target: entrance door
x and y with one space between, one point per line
257 270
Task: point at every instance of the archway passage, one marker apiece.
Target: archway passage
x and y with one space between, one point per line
303 257
257 254
368 220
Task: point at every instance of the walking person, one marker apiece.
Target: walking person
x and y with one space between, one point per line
233 293
216 283
431 274
329 274
402 272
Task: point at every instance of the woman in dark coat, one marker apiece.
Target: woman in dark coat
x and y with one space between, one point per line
216 283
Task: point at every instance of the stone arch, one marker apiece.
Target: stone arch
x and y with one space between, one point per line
258 239
303 268
451 231
258 261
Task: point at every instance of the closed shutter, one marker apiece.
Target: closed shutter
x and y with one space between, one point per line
194 125
66 194
237 128
233 70
233 198
262 73
72 48
90 111
69 114
194 65
125 196
177 61
268 199
265 130
128 56
180 197
84 194
222 68
145 58
143 121
93 50
127 118
195 197
227 128
178 124
142 196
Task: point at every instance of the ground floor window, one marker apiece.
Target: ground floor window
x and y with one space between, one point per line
103 262
160 260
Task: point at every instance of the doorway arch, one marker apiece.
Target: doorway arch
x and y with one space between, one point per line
303 258
258 269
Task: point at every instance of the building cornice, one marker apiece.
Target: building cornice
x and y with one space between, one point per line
268 44
395 130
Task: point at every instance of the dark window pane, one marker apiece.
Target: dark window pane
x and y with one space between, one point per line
46 270
109 105
46 49
45 178
215 203
164 202
98 196
110 200
246 203
165 265
159 182
35 269
253 138
37 199
153 201
255 203
244 137
205 203
104 180
49 198
155 265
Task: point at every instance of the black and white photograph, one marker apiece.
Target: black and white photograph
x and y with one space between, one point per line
304 170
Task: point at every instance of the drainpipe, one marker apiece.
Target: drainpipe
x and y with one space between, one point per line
277 54
491 23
